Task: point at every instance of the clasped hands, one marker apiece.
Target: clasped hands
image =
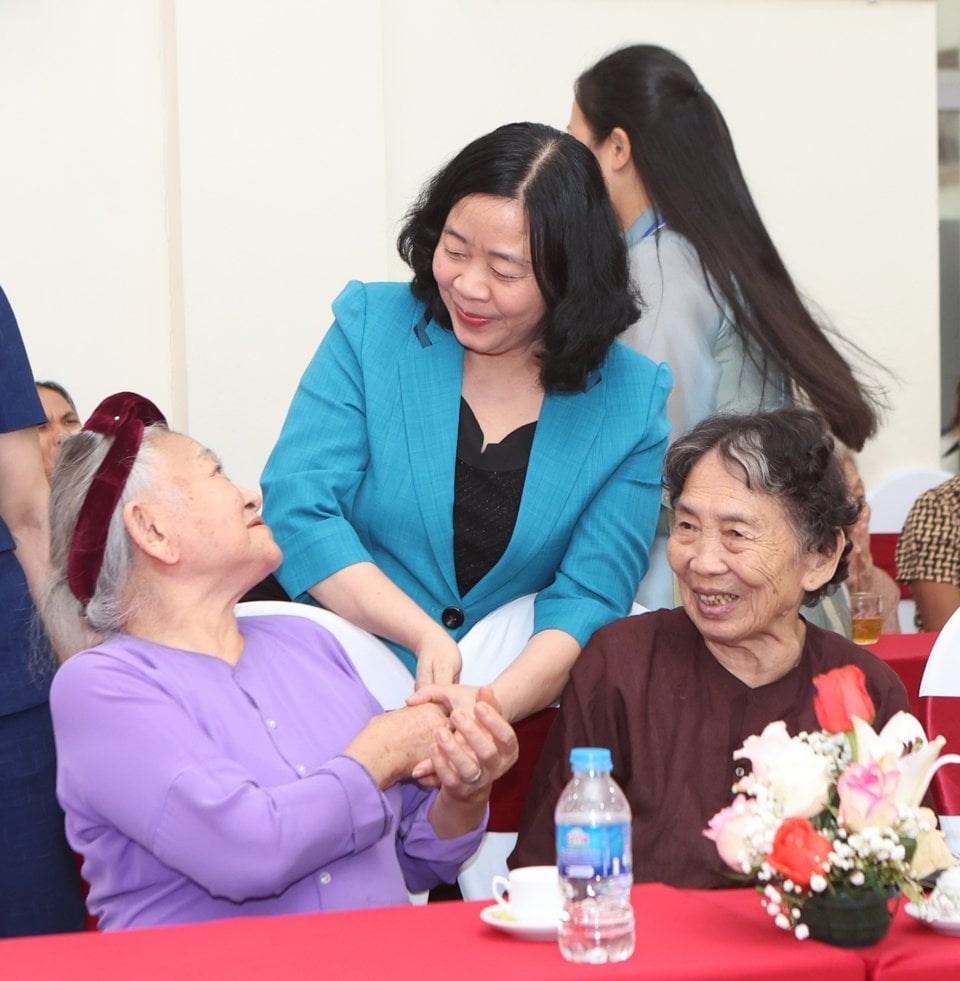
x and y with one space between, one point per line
437 682
461 752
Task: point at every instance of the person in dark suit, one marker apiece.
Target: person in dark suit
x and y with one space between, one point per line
40 888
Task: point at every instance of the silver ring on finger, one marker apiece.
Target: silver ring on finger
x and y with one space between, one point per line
476 777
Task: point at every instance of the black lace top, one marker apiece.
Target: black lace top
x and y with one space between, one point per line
486 497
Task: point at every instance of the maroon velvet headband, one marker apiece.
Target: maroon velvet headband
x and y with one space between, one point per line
123 416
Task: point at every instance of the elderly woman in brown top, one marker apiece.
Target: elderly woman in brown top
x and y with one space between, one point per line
761 508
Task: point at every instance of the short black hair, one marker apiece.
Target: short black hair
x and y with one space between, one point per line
576 245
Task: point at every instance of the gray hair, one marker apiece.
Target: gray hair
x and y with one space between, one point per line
71 627
789 455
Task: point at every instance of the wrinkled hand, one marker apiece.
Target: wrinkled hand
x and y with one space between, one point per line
391 745
438 662
451 698
479 749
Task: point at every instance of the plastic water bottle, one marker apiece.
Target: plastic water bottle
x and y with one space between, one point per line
594 861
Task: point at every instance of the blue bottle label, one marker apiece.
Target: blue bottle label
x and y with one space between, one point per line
585 852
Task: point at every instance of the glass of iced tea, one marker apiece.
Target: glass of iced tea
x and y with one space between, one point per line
867 618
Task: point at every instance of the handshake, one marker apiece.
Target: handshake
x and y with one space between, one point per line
459 751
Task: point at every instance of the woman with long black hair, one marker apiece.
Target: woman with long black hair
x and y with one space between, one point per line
718 304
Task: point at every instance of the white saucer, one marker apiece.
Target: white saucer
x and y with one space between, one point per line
950 928
500 917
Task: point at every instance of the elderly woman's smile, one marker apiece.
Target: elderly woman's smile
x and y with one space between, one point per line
761 508
741 568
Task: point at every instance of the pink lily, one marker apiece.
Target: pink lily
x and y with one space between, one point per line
886 749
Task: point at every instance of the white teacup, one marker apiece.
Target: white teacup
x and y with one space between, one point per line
534 893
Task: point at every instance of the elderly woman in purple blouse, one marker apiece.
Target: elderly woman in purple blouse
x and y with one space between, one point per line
213 767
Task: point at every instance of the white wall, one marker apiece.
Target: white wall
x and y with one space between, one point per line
948 36
282 155
84 248
185 186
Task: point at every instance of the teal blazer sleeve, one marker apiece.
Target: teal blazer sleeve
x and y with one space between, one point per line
364 471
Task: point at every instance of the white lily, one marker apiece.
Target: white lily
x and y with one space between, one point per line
792 771
901 730
886 749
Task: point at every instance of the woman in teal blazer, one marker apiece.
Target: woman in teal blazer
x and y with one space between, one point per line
505 338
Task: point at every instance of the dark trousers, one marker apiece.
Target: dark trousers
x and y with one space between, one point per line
40 888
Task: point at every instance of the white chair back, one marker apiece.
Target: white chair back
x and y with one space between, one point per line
381 670
941 676
892 498
940 689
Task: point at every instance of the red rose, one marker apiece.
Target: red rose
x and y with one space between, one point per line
799 851
842 693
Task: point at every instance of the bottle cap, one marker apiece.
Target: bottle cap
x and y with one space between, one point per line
590 759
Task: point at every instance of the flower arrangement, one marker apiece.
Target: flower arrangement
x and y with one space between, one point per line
834 812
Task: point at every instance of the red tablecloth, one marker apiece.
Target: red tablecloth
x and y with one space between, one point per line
683 935
680 935
911 951
907 654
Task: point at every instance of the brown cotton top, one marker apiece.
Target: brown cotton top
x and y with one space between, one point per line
648 688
